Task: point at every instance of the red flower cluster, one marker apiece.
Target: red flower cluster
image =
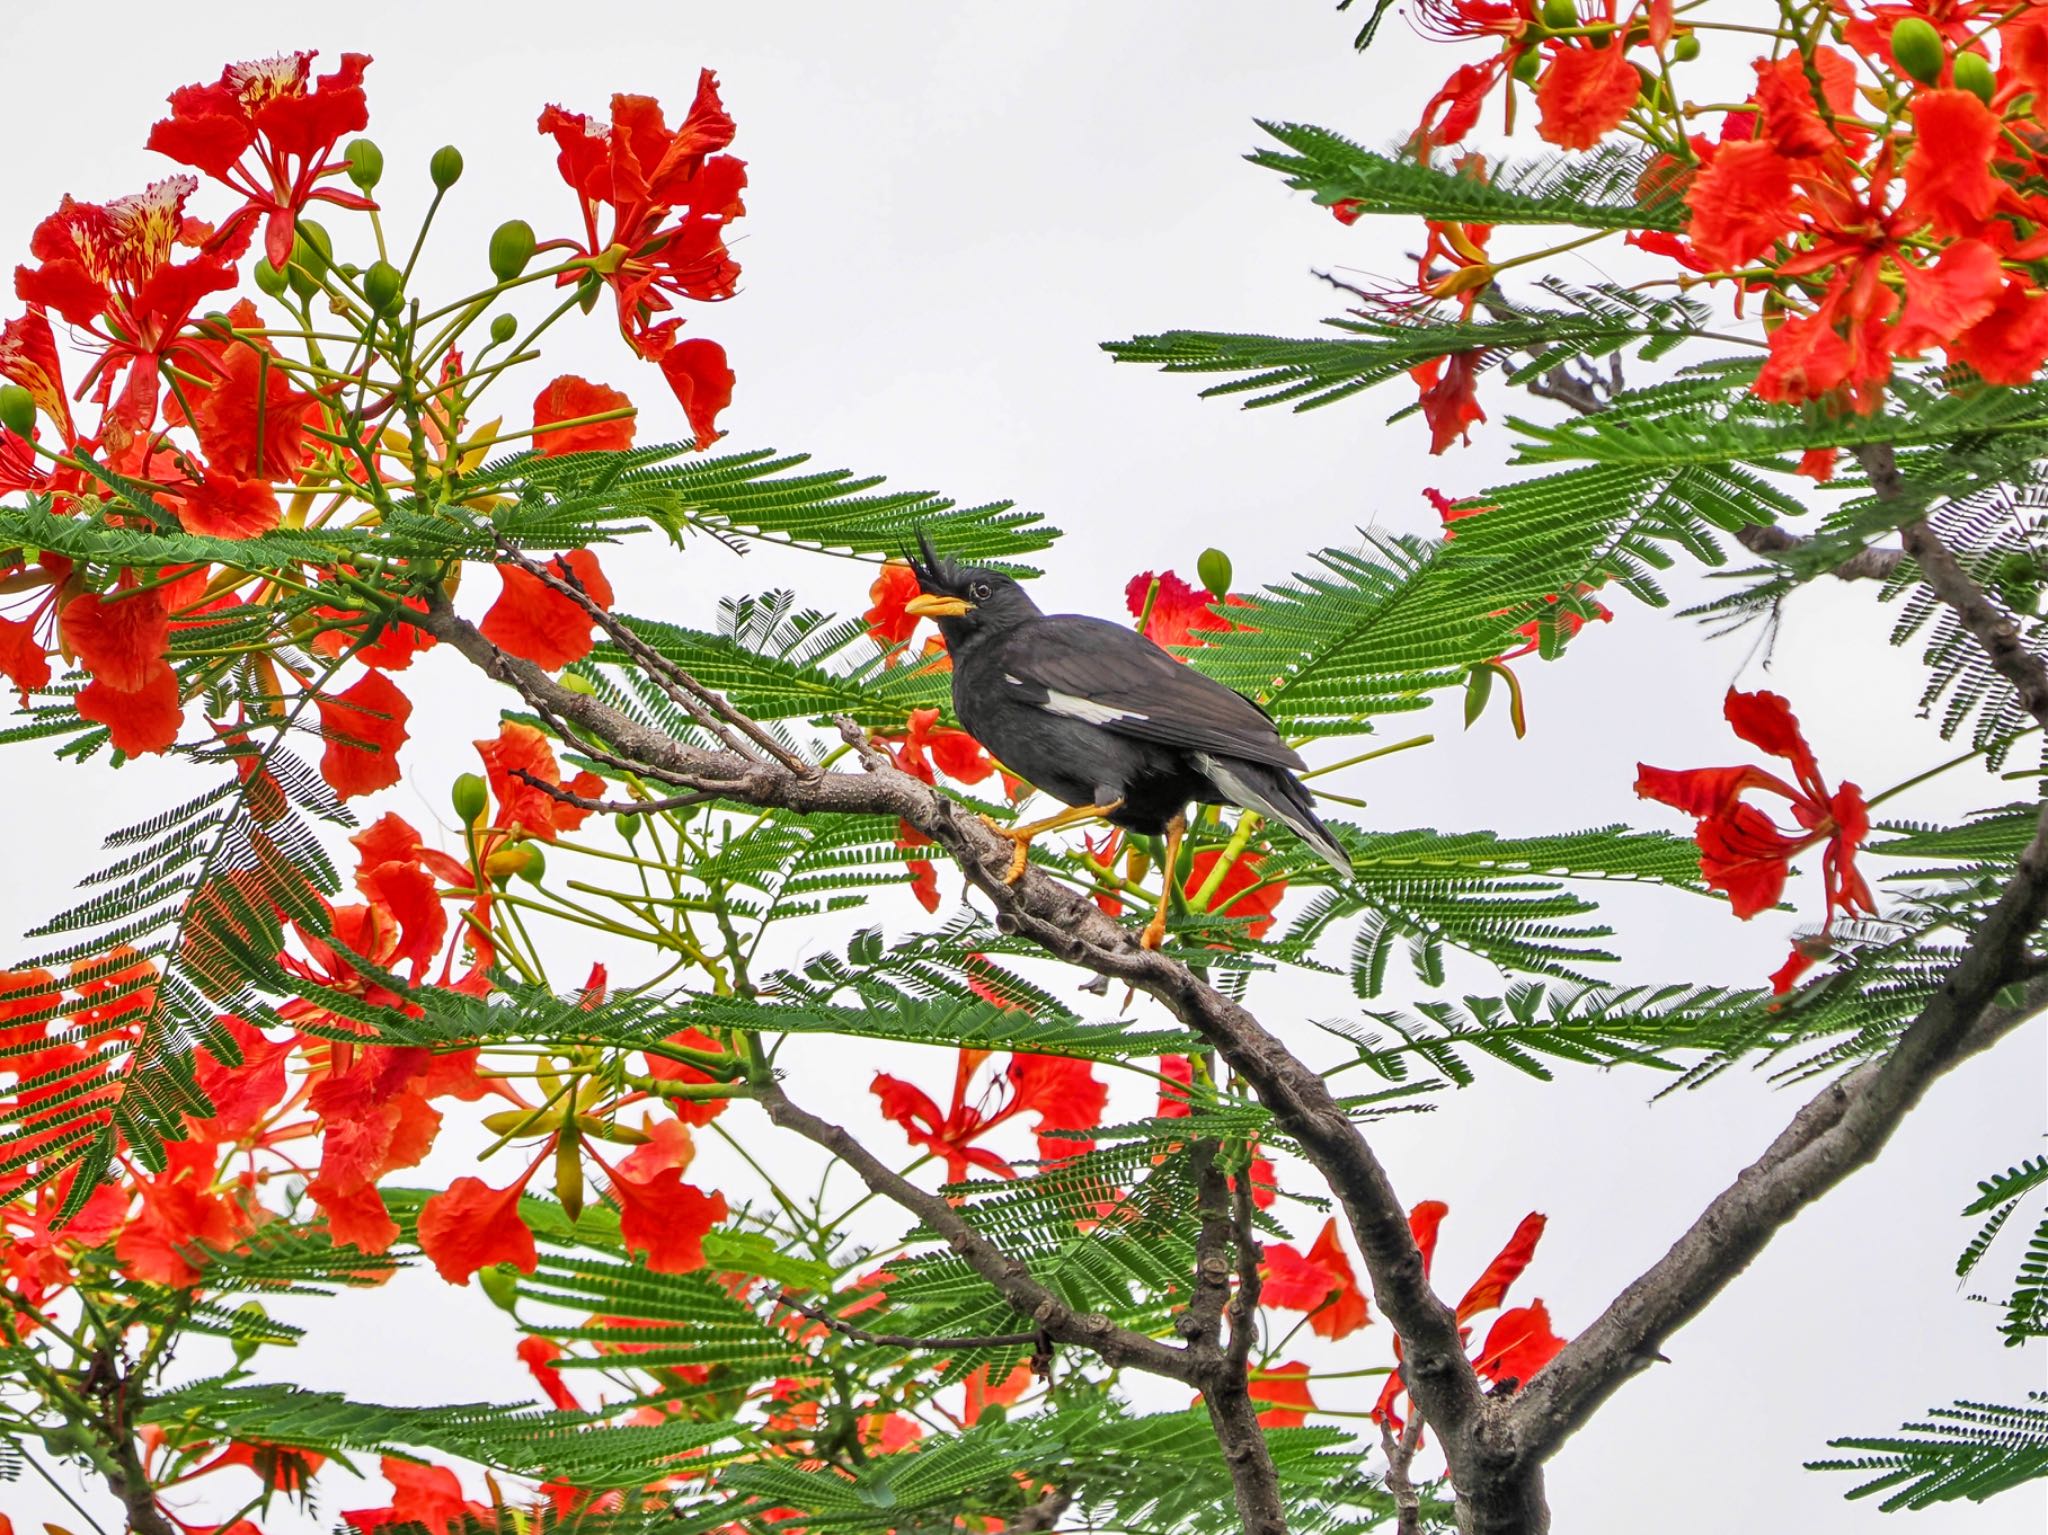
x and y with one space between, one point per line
1178 611
668 195
1746 854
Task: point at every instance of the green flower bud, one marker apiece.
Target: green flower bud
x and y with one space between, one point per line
312 254
269 279
629 827
588 290
17 410
246 1343
470 796
535 868
1685 47
575 682
1558 14
1917 48
503 329
1973 74
500 1284
1214 569
365 163
511 248
1528 65
446 166
383 287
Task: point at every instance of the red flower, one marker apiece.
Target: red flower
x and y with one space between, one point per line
535 622
539 1356
1178 609
1320 1283
1179 1073
1454 110
471 1226
925 748
364 727
1491 1287
423 1495
1585 93
691 1111
262 131
702 380
1742 851
670 195
666 1219
1450 397
113 260
249 418
1064 1093
1741 204
1242 893
569 398
1285 1386
1961 289
28 357
120 638
1518 1344
2009 345
222 506
1948 175
522 807
888 625
924 883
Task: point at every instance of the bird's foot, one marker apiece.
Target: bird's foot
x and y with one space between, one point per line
1020 838
1155 930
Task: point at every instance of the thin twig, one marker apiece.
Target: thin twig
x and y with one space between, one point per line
904 1340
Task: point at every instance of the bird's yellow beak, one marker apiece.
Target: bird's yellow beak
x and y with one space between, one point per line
931 605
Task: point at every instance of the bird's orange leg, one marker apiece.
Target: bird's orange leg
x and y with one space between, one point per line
1155 930
1024 835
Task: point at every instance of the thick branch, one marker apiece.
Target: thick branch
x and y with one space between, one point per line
1235 1418
1864 565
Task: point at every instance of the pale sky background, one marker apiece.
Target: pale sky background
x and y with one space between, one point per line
950 206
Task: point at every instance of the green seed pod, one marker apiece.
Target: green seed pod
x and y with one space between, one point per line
1528 65
469 796
500 1284
1558 14
365 163
1917 48
269 279
503 329
17 410
1685 47
511 248
1214 569
1973 74
446 166
383 287
535 869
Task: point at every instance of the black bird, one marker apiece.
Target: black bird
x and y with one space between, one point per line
1102 718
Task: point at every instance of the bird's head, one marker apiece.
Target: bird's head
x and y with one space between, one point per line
966 601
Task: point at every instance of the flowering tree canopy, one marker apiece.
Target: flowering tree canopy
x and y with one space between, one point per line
250 467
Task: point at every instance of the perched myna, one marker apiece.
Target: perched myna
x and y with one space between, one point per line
1102 718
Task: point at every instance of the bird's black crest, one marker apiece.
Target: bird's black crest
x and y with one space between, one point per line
933 573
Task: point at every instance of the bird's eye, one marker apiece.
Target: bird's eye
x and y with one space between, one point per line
981 591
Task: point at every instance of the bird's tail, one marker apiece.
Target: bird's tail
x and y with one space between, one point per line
1278 796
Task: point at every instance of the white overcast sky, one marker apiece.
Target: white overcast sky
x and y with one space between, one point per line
950 206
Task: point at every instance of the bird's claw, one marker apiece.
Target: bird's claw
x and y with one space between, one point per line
1020 855
1155 931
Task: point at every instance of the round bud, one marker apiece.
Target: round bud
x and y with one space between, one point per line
629 826
445 167
500 1284
365 163
1916 46
269 279
246 1340
1214 569
1973 74
535 868
1685 47
1528 65
1558 14
576 682
469 796
503 329
17 410
383 287
511 248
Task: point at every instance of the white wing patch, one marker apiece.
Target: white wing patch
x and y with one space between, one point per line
1069 707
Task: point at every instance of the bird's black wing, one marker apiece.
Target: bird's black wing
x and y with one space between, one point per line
1113 677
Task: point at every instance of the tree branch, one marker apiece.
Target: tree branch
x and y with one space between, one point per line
1864 565
904 1340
